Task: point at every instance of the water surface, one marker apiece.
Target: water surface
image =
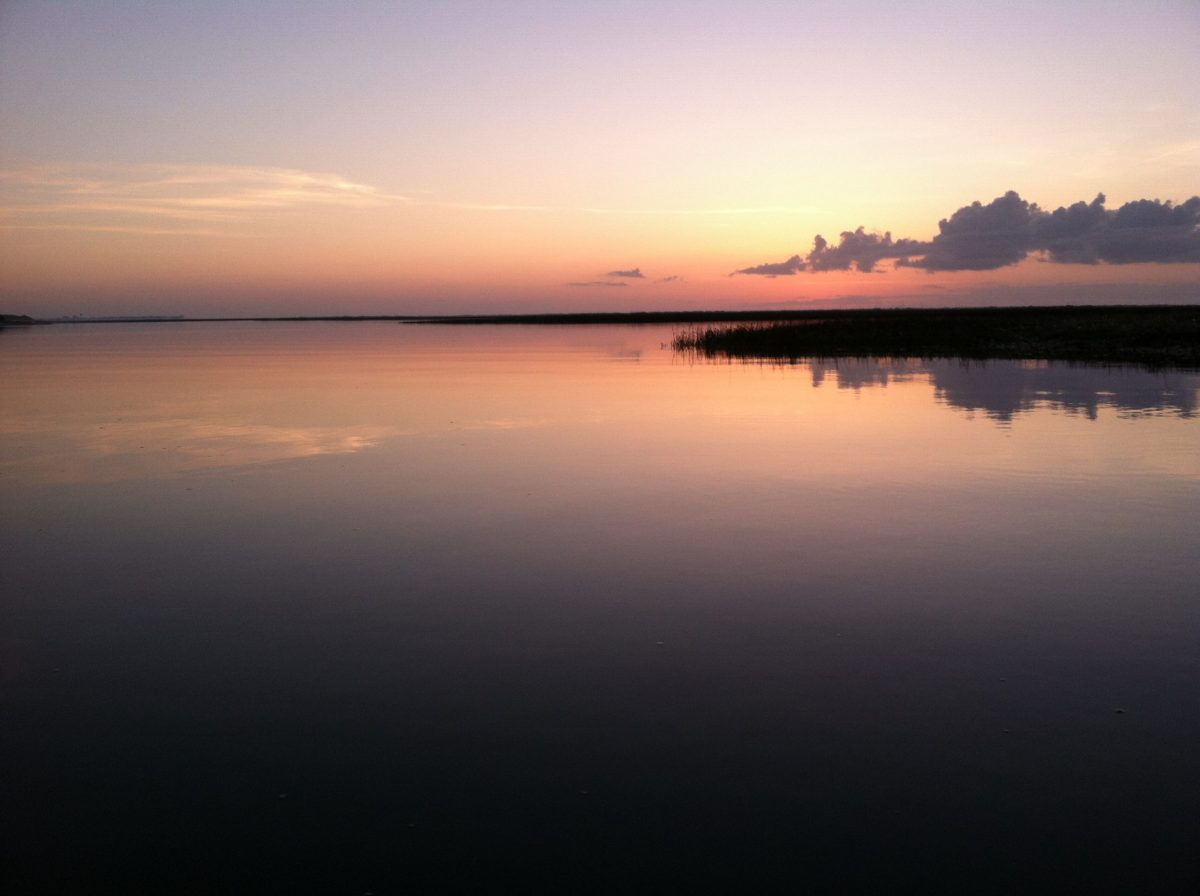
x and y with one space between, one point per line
368 607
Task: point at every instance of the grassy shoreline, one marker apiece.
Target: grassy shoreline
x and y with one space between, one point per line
1149 336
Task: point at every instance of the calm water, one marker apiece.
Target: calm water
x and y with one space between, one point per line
353 608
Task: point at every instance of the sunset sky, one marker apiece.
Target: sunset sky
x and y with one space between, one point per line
226 158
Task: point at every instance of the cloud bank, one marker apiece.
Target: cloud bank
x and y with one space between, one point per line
1008 229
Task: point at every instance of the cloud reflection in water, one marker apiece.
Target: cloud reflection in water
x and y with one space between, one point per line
115 451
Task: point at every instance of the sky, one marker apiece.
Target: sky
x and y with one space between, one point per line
225 158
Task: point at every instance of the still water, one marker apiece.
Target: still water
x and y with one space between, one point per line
353 608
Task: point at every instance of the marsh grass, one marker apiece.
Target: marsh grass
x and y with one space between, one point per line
1151 336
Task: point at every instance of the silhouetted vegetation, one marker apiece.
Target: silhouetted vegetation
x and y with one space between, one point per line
16 320
1153 336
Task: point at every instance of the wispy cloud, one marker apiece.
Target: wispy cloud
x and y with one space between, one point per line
749 210
632 274
491 207
586 283
117 228
130 198
180 199
1177 155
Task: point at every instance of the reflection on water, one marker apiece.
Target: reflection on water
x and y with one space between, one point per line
349 608
125 449
100 404
1005 389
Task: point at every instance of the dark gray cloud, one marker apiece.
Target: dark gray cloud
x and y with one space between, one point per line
981 237
634 274
793 265
1149 230
1005 231
860 249
596 283
1068 234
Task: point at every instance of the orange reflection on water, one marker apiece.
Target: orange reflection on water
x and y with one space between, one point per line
112 402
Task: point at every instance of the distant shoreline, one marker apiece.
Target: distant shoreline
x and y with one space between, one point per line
564 318
1146 335
638 317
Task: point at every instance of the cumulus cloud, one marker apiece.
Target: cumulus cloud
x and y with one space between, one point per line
596 283
1151 231
793 265
859 249
984 237
1008 229
981 237
633 274
1067 233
